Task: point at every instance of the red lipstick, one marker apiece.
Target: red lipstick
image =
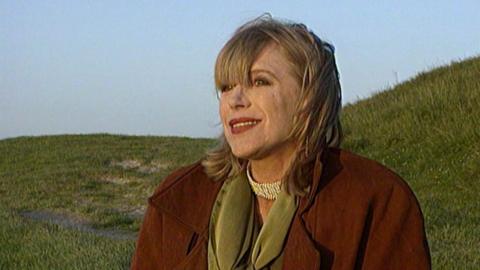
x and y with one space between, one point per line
242 124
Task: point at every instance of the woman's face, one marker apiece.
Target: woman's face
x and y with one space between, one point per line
257 120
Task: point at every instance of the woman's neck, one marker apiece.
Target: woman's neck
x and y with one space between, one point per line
274 166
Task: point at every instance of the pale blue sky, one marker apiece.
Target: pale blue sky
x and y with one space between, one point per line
146 67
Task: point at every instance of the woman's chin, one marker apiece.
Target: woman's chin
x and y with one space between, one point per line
244 153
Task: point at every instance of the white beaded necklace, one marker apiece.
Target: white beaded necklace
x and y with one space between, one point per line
268 191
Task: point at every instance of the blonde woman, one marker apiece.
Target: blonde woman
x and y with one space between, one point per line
278 193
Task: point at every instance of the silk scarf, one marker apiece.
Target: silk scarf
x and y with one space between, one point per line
236 241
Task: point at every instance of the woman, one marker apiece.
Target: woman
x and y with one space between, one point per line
277 193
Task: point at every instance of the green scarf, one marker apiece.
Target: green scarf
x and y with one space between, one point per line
235 239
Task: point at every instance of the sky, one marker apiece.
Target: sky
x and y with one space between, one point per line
146 67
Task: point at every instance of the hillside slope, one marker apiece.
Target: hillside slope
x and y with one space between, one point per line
426 129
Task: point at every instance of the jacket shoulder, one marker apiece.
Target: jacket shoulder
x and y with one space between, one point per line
176 216
187 194
379 209
364 174
180 176
365 210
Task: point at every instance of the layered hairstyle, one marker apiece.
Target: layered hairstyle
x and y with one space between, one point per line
317 119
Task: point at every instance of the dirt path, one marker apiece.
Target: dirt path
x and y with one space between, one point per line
68 222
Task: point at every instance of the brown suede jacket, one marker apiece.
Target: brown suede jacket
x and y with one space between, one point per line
357 215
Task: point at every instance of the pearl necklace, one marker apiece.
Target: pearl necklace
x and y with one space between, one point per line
268 191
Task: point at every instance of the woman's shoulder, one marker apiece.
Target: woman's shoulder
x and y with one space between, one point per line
178 176
353 188
361 175
187 180
363 208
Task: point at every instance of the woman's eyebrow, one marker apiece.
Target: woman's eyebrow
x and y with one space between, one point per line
264 71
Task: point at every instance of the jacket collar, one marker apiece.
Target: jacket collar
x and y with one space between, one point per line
190 197
307 200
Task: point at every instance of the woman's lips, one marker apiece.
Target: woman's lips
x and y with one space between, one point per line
239 125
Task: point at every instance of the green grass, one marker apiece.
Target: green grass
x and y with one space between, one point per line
426 129
30 245
81 176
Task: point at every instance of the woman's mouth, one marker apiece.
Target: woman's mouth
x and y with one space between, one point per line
240 125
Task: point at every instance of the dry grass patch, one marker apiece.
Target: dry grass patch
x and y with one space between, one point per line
119 180
154 166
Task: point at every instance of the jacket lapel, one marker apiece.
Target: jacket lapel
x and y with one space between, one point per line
190 200
300 250
197 259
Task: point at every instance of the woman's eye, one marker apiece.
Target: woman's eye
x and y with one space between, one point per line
260 82
226 88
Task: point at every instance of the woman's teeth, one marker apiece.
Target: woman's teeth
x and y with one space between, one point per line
242 124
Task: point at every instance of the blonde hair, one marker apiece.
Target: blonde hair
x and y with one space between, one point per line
317 122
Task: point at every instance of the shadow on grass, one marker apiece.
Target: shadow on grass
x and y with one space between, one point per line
72 223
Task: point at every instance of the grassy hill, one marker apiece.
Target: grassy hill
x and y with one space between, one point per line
92 190
74 201
428 130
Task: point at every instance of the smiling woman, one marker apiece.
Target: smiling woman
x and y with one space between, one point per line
277 192
265 108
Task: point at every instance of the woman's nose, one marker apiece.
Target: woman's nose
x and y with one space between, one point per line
237 98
